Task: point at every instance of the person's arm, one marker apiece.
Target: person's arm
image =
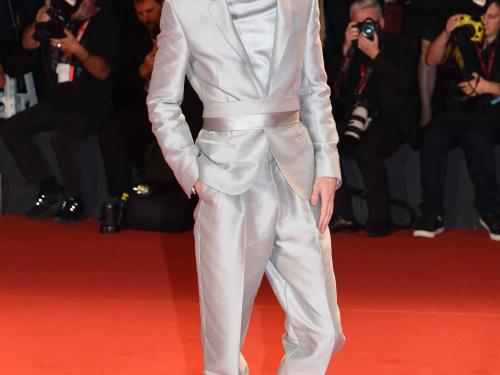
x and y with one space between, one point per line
394 65
97 66
316 115
132 71
351 34
493 88
166 92
437 48
146 68
479 86
28 41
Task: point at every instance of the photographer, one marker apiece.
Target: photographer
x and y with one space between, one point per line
471 119
77 43
372 110
126 141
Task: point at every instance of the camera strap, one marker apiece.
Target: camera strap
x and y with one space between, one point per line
491 60
365 74
81 31
79 35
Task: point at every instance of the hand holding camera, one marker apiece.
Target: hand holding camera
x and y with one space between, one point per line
351 35
146 69
365 35
42 15
452 24
68 44
369 46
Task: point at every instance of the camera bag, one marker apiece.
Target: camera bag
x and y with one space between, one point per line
166 208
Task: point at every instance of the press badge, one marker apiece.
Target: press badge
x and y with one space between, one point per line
64 73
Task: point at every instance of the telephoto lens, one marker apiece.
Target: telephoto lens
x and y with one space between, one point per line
358 123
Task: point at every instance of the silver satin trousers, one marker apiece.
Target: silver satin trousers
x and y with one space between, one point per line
267 229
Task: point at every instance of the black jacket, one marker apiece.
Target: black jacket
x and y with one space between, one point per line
391 88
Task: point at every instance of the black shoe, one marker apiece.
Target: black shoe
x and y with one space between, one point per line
379 228
110 218
46 205
492 225
428 226
343 225
71 211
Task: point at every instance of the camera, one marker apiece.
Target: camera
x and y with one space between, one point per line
369 28
60 12
470 28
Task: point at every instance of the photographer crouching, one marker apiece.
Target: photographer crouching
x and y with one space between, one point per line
371 105
132 158
77 42
468 48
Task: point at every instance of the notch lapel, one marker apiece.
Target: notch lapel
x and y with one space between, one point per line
281 35
219 12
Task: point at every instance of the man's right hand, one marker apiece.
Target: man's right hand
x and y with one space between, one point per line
351 34
42 15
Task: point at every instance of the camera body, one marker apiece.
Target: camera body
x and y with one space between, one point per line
60 13
368 28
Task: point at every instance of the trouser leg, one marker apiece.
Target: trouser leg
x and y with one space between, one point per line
343 205
17 132
73 126
379 142
123 142
442 135
479 147
234 237
301 273
65 140
116 158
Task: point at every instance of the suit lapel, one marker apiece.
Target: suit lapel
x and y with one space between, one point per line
281 35
219 11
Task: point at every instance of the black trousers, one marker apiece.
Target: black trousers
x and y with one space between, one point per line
477 133
123 141
379 142
68 126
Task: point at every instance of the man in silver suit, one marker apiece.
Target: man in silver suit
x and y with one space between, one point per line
265 167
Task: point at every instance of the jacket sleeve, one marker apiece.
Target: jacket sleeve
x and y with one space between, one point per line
166 92
397 75
315 106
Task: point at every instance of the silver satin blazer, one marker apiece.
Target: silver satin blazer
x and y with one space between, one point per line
198 39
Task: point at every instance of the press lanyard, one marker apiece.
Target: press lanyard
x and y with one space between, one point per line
365 74
79 34
78 38
487 69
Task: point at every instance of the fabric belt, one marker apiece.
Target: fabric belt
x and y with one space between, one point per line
251 106
251 122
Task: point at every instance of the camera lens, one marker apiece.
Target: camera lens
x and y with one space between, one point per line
368 32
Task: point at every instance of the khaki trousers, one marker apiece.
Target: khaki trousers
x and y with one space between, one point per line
267 229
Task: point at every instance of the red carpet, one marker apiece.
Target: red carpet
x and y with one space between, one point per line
74 302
